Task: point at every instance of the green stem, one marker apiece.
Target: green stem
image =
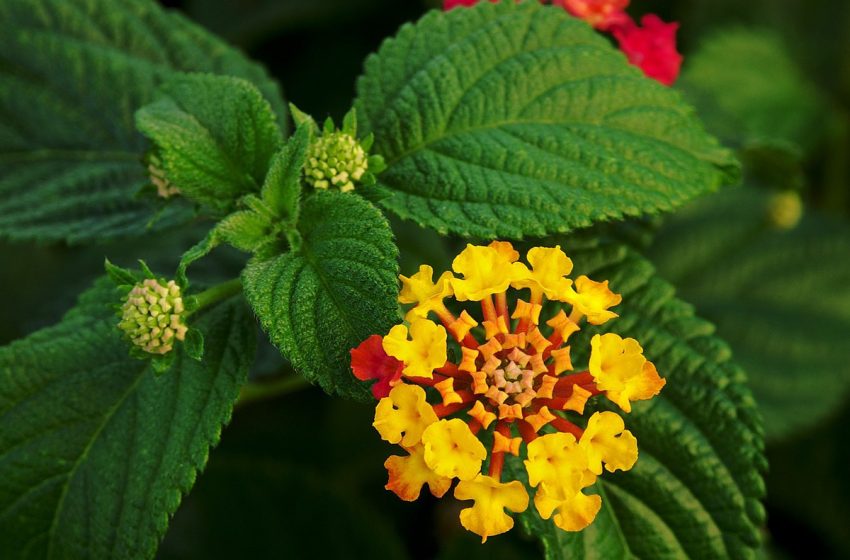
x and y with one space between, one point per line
217 293
253 392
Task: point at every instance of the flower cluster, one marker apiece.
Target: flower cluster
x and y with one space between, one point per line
152 316
164 187
462 392
336 159
650 46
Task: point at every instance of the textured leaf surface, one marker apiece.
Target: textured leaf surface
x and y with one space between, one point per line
780 297
215 136
695 491
338 289
95 450
72 72
508 120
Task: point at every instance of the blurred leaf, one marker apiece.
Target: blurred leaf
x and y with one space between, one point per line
696 489
214 135
780 297
508 121
95 450
750 93
72 72
321 301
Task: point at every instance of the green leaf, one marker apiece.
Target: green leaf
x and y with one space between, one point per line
246 230
696 488
774 107
282 187
508 120
96 451
339 288
780 297
215 136
72 72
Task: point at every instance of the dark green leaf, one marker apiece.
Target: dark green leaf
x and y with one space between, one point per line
780 297
215 136
340 287
95 450
282 187
508 120
695 491
72 72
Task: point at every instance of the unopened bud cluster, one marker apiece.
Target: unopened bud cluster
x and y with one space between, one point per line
152 316
337 160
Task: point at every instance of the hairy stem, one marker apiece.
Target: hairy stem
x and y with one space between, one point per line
217 293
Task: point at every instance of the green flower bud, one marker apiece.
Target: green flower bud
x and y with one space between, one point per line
152 316
336 159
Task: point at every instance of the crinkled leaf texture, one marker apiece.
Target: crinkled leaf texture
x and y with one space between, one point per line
696 489
339 288
72 73
215 136
508 120
96 451
780 297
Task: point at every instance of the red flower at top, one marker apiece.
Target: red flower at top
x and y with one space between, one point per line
601 14
449 4
370 361
651 47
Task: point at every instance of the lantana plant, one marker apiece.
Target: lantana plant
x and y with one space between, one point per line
484 130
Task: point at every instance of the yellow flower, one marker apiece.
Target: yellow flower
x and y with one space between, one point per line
555 457
620 369
487 515
486 270
452 450
405 412
549 266
421 290
606 439
422 354
409 474
575 509
593 299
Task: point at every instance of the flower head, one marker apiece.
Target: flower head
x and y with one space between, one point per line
336 160
508 382
601 14
153 316
651 47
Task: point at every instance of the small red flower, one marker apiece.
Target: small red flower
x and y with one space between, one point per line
651 47
370 361
449 4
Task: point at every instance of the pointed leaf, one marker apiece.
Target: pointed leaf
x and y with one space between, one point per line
96 450
72 72
507 120
323 300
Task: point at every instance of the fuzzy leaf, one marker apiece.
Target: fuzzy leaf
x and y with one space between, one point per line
507 120
696 489
780 297
340 287
215 136
72 73
282 187
96 451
